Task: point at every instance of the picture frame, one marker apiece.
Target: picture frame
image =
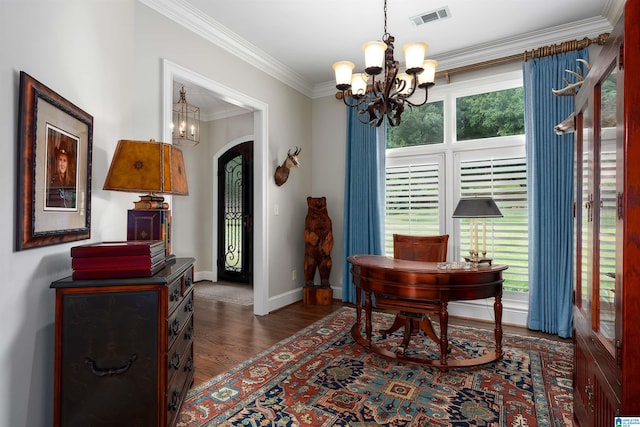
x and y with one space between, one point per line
55 140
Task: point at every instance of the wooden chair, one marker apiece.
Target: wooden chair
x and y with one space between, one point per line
417 248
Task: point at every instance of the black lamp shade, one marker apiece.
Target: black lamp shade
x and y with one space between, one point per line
477 207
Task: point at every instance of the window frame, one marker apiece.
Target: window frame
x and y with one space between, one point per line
456 151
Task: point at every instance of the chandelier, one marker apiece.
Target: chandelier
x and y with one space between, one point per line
385 96
187 119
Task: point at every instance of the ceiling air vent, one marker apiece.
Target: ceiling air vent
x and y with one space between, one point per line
433 15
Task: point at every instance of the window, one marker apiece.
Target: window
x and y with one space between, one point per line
413 198
475 147
490 114
419 126
505 180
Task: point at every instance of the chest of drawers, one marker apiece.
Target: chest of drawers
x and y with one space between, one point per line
124 348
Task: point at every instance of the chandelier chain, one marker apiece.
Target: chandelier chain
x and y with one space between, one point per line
385 16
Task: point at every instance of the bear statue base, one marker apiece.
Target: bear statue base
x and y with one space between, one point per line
312 295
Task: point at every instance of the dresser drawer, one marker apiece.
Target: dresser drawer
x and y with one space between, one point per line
178 319
178 388
176 354
174 294
188 280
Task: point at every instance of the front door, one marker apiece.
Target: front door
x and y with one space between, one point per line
235 214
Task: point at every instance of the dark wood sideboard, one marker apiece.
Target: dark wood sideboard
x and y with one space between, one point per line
124 348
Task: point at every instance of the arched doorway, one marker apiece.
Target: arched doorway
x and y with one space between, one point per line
235 214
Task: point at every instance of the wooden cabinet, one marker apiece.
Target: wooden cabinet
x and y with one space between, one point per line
607 230
124 348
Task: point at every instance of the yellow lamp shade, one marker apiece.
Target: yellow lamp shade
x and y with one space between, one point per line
147 167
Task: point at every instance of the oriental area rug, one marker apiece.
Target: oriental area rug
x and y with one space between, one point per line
321 377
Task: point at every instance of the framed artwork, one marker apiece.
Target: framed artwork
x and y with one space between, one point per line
54 168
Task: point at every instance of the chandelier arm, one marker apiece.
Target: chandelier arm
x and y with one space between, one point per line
356 101
426 96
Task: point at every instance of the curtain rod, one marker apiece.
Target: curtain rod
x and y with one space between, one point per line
527 55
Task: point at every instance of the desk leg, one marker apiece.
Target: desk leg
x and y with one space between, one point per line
367 310
444 343
358 305
497 309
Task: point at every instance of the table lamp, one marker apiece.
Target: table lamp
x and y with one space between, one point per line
474 208
153 168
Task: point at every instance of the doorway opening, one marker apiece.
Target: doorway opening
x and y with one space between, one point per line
235 214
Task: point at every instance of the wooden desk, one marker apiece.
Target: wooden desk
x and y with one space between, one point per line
420 287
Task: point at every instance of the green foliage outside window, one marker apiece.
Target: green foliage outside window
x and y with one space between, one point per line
420 126
490 114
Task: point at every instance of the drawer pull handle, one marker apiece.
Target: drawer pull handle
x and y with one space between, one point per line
189 365
189 306
175 401
175 327
175 295
103 372
187 282
175 360
188 333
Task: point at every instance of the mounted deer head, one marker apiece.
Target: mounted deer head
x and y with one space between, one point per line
572 88
282 171
568 125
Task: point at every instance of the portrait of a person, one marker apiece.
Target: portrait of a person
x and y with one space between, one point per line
61 188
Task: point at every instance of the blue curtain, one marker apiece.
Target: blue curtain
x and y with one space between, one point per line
363 196
550 193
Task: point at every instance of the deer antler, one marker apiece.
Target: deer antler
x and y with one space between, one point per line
572 88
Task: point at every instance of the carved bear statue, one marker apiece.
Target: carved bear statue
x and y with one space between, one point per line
318 239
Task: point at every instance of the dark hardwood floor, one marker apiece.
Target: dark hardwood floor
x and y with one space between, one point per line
228 334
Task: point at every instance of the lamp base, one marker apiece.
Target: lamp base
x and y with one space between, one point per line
478 260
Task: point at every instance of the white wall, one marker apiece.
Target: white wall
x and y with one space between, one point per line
158 38
73 48
329 130
106 56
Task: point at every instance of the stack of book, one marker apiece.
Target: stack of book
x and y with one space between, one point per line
150 201
108 260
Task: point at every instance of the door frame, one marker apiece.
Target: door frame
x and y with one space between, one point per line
261 176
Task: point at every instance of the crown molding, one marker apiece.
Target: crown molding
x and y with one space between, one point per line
182 13
186 15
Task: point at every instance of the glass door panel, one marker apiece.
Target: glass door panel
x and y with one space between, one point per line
586 207
608 212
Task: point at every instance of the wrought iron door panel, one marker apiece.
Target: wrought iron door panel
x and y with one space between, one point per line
235 207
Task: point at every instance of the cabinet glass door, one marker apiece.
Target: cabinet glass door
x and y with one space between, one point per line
586 211
608 209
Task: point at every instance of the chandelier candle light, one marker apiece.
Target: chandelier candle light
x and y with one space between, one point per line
385 96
